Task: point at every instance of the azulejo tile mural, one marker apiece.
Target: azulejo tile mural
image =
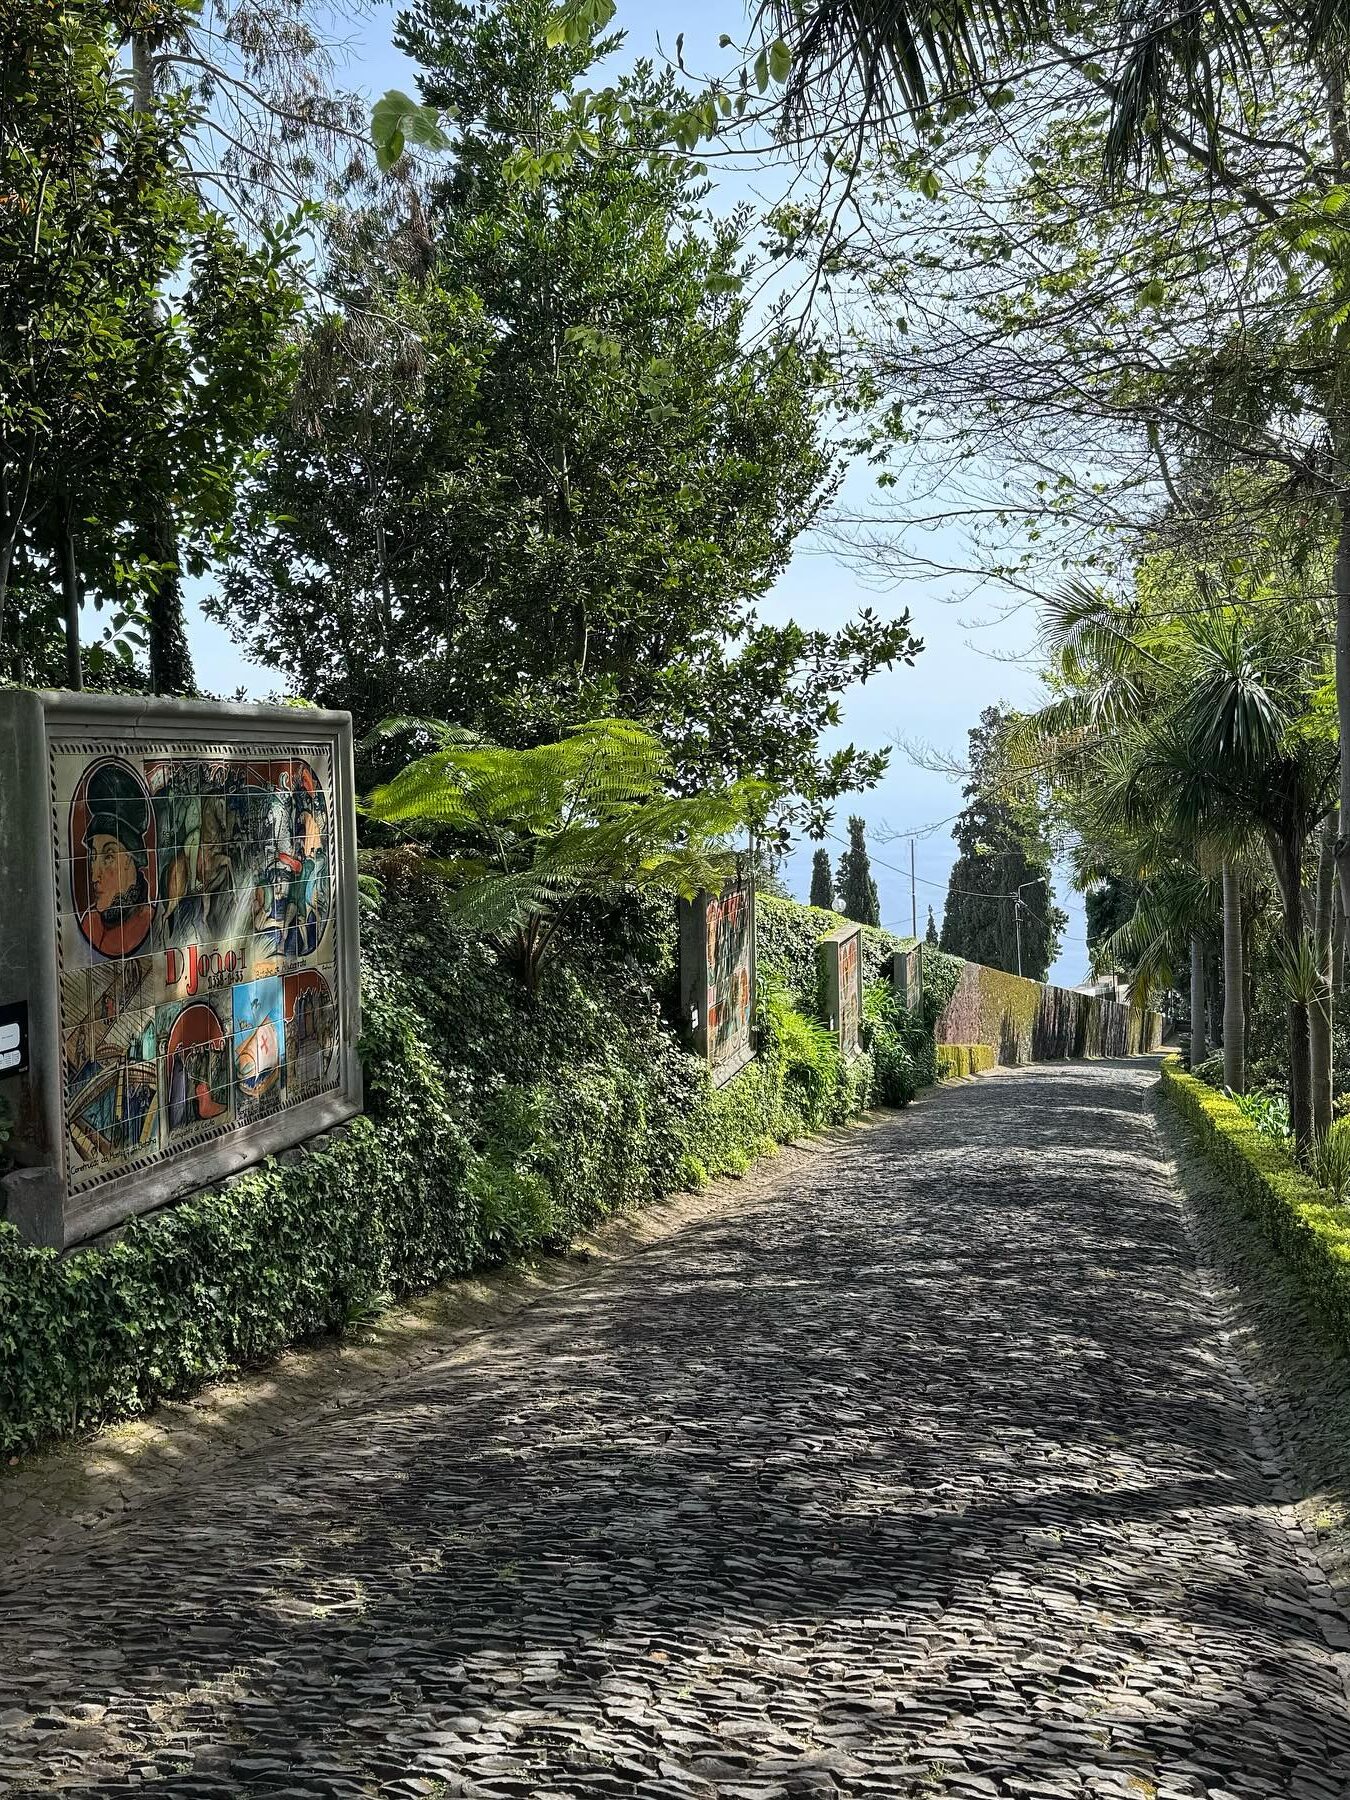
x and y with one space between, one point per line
196 942
730 949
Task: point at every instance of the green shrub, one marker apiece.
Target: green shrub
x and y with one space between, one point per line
1329 1161
1268 1112
787 935
1310 1232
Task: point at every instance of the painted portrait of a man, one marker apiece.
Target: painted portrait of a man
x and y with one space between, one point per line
113 868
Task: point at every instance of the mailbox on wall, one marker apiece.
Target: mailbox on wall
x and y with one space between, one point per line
840 968
179 943
717 975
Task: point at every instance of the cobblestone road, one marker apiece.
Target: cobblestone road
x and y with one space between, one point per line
928 1475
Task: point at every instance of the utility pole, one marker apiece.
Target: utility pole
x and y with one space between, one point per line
913 897
1017 914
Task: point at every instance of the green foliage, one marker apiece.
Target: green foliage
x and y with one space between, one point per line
396 121
543 833
1266 1112
1329 1161
788 935
858 897
1108 903
930 935
901 1044
956 1060
999 892
141 345
1309 1232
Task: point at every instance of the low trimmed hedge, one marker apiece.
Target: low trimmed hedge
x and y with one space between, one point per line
964 1059
1309 1232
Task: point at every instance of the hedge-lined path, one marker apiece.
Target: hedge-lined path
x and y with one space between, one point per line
926 1471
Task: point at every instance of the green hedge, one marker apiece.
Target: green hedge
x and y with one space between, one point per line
497 1122
964 1059
1309 1232
787 936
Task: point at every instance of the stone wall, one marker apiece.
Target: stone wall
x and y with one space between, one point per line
1031 1021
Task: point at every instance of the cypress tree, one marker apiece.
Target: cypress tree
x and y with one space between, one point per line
858 898
931 935
1001 834
822 881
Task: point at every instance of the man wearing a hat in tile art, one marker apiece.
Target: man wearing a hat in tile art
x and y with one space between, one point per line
117 860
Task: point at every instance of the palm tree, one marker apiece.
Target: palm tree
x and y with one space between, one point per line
1193 737
1176 77
1114 666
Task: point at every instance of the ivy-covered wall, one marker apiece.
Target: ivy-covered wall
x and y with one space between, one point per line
1031 1021
498 1122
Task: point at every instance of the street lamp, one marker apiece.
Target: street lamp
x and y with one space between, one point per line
1017 913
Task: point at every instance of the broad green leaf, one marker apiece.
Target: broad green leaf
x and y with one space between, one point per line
397 120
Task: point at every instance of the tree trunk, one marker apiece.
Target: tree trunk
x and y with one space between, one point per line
1300 1077
1341 582
1286 855
171 669
142 74
1319 1017
70 593
1197 1001
1234 986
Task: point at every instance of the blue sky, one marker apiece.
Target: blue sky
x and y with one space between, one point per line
967 660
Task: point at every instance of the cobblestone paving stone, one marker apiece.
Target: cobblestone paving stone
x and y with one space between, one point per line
928 1473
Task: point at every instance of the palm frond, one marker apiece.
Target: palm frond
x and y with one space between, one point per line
1184 63
1231 711
539 829
1154 942
861 62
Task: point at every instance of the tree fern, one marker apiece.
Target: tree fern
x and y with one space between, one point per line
535 834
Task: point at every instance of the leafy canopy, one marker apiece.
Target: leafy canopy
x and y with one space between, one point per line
540 471
999 893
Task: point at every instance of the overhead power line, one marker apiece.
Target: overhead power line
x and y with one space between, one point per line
923 880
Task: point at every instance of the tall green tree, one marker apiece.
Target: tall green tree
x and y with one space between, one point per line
1196 736
858 898
822 880
141 349
537 473
1000 907
930 935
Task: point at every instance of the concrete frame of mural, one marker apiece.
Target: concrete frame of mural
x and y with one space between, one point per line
264 760
704 1000
907 975
839 963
